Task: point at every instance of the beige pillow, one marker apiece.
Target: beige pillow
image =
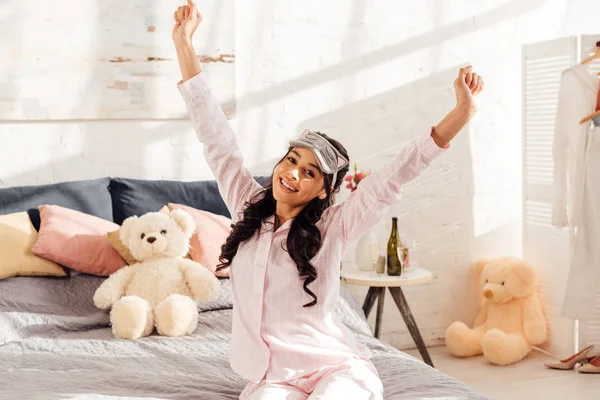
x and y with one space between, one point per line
115 241
17 237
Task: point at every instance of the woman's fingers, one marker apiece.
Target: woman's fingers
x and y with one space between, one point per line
180 13
474 80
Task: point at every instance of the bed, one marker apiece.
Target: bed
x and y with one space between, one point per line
55 344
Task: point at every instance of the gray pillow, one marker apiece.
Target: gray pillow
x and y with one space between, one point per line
88 196
137 197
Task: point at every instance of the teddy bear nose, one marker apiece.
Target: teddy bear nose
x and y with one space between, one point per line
151 239
488 294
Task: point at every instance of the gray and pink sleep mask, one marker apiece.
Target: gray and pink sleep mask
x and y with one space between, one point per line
329 158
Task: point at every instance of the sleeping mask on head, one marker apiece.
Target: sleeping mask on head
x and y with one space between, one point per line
329 158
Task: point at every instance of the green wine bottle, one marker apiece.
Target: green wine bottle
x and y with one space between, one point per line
394 266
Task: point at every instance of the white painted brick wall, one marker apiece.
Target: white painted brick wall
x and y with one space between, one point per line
353 67
52 152
323 64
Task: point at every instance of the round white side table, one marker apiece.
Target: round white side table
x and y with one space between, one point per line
377 284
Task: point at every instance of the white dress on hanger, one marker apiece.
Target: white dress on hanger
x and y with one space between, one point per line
576 155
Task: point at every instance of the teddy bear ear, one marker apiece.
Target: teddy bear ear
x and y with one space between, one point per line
522 276
184 220
479 265
125 230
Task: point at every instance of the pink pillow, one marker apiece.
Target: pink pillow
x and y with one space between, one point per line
211 232
77 240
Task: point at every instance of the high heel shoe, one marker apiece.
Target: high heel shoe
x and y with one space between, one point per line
569 363
592 367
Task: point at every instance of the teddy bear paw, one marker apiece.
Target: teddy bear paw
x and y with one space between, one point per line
501 348
462 341
176 315
131 318
102 300
206 288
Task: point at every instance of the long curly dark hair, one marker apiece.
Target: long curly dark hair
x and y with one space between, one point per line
304 238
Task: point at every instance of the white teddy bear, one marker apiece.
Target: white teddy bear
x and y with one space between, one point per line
161 289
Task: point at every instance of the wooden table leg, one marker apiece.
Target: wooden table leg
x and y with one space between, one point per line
400 301
380 302
369 301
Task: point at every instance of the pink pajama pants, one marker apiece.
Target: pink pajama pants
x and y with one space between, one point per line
355 379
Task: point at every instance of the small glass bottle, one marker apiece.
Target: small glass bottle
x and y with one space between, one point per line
403 252
380 267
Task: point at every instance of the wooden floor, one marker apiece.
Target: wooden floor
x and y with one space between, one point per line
528 379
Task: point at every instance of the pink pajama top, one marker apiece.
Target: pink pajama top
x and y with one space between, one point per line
273 336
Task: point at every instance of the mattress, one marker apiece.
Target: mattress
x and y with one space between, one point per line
55 344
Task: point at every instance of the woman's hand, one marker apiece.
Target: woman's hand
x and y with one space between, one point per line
467 86
187 18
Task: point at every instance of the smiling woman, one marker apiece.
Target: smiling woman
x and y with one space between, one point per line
300 191
285 338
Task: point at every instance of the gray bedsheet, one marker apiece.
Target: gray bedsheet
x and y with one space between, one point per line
54 344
